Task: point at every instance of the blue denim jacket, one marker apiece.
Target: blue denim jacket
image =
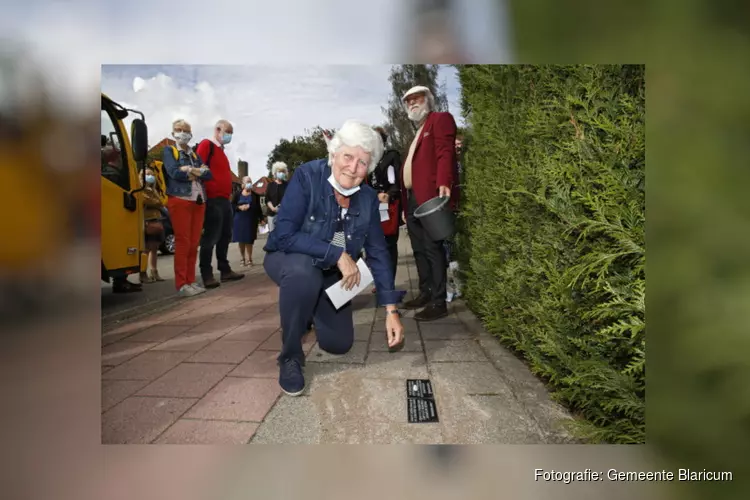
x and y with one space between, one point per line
307 220
178 182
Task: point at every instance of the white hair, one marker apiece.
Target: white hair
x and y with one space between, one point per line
419 89
357 134
278 166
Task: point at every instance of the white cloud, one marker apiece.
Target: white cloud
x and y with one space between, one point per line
263 103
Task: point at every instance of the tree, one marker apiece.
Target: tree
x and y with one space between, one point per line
155 155
301 149
403 77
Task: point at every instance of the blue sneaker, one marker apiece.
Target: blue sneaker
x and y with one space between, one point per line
291 380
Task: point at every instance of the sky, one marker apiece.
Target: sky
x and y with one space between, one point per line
264 103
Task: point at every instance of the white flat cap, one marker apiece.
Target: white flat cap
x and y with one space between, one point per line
416 90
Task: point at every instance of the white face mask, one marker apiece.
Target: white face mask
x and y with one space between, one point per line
342 191
182 137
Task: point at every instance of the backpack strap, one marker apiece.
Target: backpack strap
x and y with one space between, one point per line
175 153
211 147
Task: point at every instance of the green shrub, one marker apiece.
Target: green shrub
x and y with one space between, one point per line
552 233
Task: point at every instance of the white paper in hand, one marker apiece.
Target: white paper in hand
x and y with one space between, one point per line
384 212
339 296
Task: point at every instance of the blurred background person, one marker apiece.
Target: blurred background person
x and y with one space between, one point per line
247 214
154 228
385 179
275 191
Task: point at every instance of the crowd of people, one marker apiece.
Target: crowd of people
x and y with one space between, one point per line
335 210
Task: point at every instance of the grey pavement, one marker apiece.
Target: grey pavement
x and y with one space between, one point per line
203 371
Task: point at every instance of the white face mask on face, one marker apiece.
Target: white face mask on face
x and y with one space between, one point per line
182 138
342 191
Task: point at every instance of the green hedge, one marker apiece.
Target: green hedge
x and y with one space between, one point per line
552 236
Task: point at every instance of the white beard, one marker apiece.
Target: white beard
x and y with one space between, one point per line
418 114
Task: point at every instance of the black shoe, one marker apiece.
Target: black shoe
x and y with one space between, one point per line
432 312
231 276
210 282
420 301
291 380
126 287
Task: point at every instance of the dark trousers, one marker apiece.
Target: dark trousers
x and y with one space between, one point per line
301 297
432 267
392 243
217 232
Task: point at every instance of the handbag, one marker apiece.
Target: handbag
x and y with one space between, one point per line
390 226
154 227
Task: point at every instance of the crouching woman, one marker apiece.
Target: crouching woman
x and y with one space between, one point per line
327 217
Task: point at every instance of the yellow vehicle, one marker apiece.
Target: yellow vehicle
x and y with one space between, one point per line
122 223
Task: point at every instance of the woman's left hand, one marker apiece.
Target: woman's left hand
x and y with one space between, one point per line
394 329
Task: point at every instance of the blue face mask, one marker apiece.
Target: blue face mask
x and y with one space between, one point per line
226 138
248 185
281 176
150 179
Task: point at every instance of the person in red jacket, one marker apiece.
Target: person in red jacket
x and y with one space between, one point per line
217 225
428 171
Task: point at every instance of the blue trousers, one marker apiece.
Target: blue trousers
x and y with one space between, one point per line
301 297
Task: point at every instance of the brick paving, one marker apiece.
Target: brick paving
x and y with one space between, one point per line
204 372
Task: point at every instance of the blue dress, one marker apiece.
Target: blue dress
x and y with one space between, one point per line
245 228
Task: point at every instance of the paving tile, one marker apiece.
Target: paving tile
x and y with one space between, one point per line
484 420
471 378
355 355
444 331
398 365
139 420
217 324
225 351
321 374
187 380
244 313
120 352
362 332
259 364
189 341
290 421
352 432
147 366
157 333
115 391
272 343
191 319
453 350
355 410
253 330
125 330
412 341
215 432
238 399
363 316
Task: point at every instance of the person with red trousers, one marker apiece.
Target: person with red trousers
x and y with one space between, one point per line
428 171
186 176
219 219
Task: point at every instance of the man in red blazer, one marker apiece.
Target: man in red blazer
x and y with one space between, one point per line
428 171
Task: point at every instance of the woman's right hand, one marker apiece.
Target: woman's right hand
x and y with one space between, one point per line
349 270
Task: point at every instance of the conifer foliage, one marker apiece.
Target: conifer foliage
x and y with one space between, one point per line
552 235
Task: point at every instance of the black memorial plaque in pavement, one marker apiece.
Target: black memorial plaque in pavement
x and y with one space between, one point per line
420 402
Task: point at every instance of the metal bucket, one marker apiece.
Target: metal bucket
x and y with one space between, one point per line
437 218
